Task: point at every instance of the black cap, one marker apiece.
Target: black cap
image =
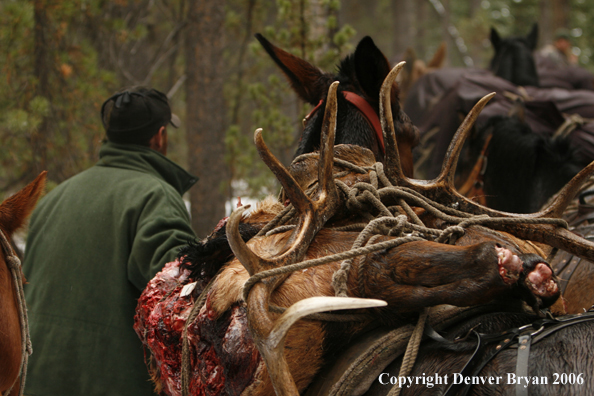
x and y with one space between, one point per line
135 115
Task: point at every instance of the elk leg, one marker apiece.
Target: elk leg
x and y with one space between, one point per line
419 274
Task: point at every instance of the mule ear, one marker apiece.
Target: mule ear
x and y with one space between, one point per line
17 208
439 57
532 37
305 79
410 57
371 68
495 39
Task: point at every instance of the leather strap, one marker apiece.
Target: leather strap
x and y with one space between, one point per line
522 363
518 338
565 263
372 117
480 357
365 108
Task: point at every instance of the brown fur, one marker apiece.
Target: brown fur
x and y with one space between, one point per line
13 213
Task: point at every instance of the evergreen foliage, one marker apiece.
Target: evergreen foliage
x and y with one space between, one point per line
61 59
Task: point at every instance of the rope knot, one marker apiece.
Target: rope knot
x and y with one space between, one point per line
451 234
13 263
339 279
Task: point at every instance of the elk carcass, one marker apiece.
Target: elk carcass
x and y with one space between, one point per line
230 319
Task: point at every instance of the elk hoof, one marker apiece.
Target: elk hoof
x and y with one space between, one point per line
510 265
540 281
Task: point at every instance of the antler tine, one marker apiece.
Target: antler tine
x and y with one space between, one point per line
259 318
554 236
392 163
312 217
325 177
246 257
313 305
273 346
450 162
442 188
296 195
567 193
558 237
313 214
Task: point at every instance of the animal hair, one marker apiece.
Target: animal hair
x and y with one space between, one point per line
523 168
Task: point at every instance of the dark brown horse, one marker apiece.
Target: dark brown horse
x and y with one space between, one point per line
436 101
14 348
560 362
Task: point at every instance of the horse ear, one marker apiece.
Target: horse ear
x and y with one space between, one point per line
532 37
439 57
17 208
371 67
495 39
305 79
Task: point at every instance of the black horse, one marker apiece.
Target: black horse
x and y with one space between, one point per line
538 162
513 169
514 59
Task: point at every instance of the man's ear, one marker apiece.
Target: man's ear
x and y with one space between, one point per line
159 140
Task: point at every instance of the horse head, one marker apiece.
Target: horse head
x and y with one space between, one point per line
361 75
13 315
514 59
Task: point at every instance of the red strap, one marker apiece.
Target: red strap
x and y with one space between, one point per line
367 111
308 116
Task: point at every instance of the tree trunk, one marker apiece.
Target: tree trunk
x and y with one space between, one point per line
421 16
561 10
403 16
545 26
42 71
205 129
474 44
445 25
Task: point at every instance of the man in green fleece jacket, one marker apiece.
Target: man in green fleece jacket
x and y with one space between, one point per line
94 243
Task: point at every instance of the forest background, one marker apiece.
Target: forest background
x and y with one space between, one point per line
61 59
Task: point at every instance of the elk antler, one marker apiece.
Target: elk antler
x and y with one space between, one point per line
274 344
393 166
313 214
442 189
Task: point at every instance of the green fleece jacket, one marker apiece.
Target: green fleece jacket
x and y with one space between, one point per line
94 243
